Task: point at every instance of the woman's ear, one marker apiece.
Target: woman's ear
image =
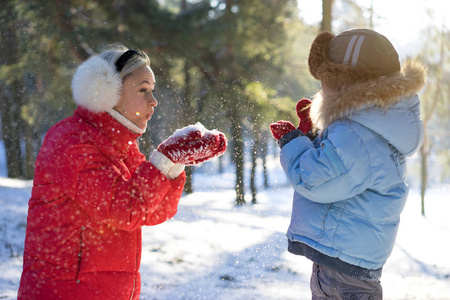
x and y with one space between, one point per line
96 85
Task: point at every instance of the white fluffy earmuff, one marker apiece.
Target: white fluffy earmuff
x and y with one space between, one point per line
96 85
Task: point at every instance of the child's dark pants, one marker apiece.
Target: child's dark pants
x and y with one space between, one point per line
327 283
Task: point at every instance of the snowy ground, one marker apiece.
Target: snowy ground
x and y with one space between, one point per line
214 250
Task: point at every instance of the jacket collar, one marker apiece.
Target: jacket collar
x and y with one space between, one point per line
382 92
119 135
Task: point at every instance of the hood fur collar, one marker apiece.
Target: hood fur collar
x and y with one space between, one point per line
383 92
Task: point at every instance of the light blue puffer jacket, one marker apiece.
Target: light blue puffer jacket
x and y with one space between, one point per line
350 183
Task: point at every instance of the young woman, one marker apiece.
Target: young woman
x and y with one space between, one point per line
93 190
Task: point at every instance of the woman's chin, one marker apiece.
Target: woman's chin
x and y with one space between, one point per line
143 125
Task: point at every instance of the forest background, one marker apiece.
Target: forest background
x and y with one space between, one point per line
234 65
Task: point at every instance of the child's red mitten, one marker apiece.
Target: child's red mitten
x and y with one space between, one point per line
281 128
303 107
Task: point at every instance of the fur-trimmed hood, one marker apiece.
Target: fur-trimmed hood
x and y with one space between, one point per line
380 94
382 91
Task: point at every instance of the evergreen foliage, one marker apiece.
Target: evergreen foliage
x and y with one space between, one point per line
233 65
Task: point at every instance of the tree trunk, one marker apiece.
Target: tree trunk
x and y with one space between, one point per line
264 153
238 156
10 109
424 151
10 101
187 114
188 188
423 178
221 164
327 6
429 108
254 156
68 31
29 152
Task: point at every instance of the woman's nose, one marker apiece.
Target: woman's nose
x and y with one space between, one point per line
152 101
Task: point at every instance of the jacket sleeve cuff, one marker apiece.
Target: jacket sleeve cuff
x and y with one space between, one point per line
289 137
170 169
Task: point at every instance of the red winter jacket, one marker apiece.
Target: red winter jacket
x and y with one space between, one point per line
93 191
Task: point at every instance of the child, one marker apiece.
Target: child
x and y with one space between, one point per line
349 181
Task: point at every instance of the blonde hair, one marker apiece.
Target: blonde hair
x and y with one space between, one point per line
112 52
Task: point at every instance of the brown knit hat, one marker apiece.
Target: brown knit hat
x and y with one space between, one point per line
352 56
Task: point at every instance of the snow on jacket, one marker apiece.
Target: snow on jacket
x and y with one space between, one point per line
350 183
93 191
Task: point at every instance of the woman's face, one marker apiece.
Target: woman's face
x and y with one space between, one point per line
137 102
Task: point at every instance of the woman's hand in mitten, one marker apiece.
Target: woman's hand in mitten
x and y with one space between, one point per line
193 144
217 149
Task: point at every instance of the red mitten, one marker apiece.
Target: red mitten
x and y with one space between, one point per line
219 150
193 144
281 128
303 107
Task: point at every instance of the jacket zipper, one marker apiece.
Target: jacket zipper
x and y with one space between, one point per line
136 267
134 281
134 286
80 252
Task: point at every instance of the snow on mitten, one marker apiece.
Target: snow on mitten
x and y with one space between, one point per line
219 150
193 144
